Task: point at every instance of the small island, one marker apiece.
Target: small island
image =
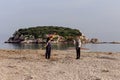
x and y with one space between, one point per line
39 34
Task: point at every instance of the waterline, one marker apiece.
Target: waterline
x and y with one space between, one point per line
65 46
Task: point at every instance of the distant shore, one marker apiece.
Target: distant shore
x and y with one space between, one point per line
113 42
31 65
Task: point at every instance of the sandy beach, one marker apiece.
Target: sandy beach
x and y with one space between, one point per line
31 65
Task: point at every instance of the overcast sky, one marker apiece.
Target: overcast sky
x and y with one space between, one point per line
94 18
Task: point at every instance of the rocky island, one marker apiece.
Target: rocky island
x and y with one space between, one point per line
39 34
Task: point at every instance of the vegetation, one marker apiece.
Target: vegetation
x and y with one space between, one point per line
40 32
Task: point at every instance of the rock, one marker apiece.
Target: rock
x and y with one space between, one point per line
94 40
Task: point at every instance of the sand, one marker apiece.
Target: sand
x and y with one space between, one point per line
31 65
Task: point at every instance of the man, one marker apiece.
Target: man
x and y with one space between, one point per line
77 43
48 48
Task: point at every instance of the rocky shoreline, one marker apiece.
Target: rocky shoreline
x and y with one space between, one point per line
31 65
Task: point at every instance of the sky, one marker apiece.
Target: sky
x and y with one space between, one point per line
94 18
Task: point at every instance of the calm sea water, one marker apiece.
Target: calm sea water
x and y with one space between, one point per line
91 47
103 47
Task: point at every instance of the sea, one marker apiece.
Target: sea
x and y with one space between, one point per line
61 46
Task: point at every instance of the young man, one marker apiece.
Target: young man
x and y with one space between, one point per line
77 43
48 48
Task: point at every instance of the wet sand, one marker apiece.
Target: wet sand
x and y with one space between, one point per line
31 65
